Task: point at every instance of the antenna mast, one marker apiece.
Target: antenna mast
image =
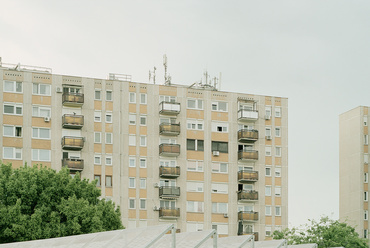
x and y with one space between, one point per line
152 73
167 79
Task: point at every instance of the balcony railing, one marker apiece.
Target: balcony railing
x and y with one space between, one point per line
245 176
247 155
247 115
169 172
72 143
169 213
169 192
75 164
247 216
247 195
169 129
169 108
169 150
247 136
250 233
73 121
73 99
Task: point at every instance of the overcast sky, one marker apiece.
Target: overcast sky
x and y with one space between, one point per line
315 52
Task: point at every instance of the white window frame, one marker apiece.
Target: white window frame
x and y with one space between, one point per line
366 177
277 171
142 200
15 151
277 131
95 137
268 231
130 161
142 183
277 111
98 178
109 157
216 125
14 131
106 95
143 140
268 190
95 96
366 139
145 98
199 165
216 104
268 131
277 210
167 163
194 186
164 98
107 114
142 162
133 200
216 207
111 181
132 119
195 206
132 182
14 86
268 151
97 116
365 120
39 109
106 138
277 191
38 151
218 164
38 93
268 169
196 103
220 188
278 151
366 196
194 124
268 111
97 157
143 117
15 107
366 214
132 140
268 211
132 97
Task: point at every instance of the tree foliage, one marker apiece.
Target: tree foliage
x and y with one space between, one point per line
325 233
38 203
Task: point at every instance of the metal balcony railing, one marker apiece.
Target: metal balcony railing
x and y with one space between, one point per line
247 155
169 192
73 99
169 108
247 195
75 164
247 176
169 150
169 213
247 115
169 172
247 216
169 129
247 136
72 143
73 121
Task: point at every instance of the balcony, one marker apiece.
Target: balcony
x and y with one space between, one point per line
169 192
252 233
170 129
247 155
75 164
247 136
169 108
73 121
248 216
247 115
247 195
246 176
169 213
169 150
169 172
73 99
72 143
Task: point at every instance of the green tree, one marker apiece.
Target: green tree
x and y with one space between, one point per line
38 203
325 233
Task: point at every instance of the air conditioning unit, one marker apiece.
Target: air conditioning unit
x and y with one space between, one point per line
59 90
46 119
267 117
155 208
216 153
155 185
268 137
226 216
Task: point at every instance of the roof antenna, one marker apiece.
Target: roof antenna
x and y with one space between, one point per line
152 73
167 79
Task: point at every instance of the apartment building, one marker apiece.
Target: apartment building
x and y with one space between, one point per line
354 169
193 156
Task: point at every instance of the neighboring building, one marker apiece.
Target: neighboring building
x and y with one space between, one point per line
354 168
188 155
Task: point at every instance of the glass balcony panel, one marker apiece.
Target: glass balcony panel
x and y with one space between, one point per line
73 121
75 164
248 216
169 213
169 172
169 129
247 176
169 108
169 150
247 136
247 115
247 195
73 99
248 155
169 192
72 143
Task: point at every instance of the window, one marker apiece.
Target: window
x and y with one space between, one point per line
143 120
268 150
219 208
13 108
97 178
13 86
97 137
268 111
220 188
108 138
366 233
167 98
132 119
108 117
194 206
277 171
142 183
143 98
38 111
131 203
142 162
268 131
142 203
268 231
366 158
97 159
108 95
108 181
132 98
132 182
97 116
220 127
195 165
277 112
278 151
132 162
167 182
219 167
12 153
108 160
277 132
195 104
195 124
268 171
267 190
12 131
365 120
220 146
167 120
277 211
268 210
167 163
277 191
366 177
219 106
194 227
366 196
142 140
366 214
366 139
194 186
97 94
41 89
132 140
167 141
195 145
167 204
41 155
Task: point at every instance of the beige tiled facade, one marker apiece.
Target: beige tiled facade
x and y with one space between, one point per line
354 168
194 157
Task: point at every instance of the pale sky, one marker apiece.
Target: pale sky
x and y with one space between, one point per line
315 52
